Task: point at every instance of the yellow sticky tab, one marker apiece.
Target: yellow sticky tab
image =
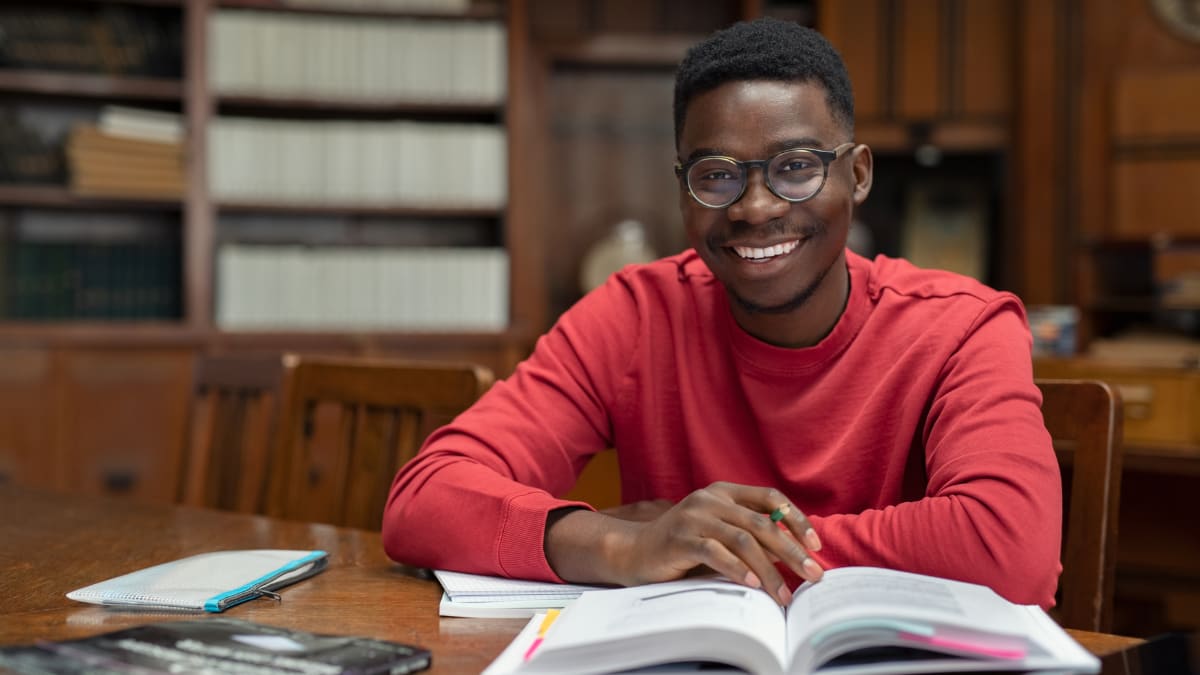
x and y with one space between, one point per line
551 616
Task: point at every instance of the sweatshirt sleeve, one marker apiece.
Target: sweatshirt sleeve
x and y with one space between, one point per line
992 510
476 496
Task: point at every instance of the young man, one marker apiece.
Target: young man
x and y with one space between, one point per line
779 405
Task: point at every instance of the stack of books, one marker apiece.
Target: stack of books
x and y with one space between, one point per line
359 58
417 288
128 153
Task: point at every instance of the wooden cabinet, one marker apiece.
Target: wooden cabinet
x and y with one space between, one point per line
122 415
95 419
1160 404
1137 186
936 99
927 72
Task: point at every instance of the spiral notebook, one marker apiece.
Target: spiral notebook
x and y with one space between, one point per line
212 582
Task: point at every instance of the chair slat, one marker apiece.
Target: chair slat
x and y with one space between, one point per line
235 402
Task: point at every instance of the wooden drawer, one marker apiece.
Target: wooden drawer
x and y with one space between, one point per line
1161 404
124 413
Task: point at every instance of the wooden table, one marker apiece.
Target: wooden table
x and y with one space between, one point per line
51 544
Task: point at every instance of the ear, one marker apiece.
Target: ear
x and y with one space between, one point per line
863 167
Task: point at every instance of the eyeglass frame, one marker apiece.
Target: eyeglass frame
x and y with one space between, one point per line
827 157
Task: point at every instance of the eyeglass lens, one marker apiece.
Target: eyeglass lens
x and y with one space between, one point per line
793 175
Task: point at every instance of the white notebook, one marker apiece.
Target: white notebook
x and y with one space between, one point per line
212 582
479 596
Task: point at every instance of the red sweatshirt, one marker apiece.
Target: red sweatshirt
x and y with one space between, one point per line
911 435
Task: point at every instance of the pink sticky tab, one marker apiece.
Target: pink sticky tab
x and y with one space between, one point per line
974 646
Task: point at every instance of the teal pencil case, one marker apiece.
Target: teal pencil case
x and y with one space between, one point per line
210 582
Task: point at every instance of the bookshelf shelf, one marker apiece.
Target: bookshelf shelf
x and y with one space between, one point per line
136 3
75 85
358 210
330 7
55 196
382 108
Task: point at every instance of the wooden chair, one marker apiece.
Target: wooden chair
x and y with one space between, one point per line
350 423
235 406
599 484
1085 419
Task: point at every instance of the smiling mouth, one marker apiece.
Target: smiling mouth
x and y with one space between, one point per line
766 253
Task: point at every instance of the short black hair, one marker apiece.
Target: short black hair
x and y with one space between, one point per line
764 49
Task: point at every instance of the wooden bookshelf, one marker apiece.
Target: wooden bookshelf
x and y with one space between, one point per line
201 211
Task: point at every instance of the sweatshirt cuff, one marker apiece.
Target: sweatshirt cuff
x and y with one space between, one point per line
519 549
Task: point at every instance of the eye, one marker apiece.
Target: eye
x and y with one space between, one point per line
799 164
714 171
717 174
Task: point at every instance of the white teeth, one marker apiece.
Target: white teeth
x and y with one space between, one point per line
751 253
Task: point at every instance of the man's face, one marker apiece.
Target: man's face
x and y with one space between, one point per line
750 120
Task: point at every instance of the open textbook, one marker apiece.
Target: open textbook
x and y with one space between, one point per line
856 621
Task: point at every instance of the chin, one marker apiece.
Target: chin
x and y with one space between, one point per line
776 306
779 303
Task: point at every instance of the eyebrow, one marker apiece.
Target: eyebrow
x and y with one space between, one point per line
773 149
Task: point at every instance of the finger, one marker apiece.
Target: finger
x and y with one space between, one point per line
720 560
747 548
798 524
780 509
779 542
782 542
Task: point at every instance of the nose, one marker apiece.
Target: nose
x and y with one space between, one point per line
758 205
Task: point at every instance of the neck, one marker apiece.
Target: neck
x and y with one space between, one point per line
807 324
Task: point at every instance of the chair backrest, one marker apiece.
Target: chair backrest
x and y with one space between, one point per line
235 406
350 423
599 484
1086 421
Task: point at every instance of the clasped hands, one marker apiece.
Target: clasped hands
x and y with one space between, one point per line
724 527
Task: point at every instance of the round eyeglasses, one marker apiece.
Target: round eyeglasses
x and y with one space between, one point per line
793 175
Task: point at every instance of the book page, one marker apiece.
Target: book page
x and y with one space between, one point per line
876 588
689 620
856 607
